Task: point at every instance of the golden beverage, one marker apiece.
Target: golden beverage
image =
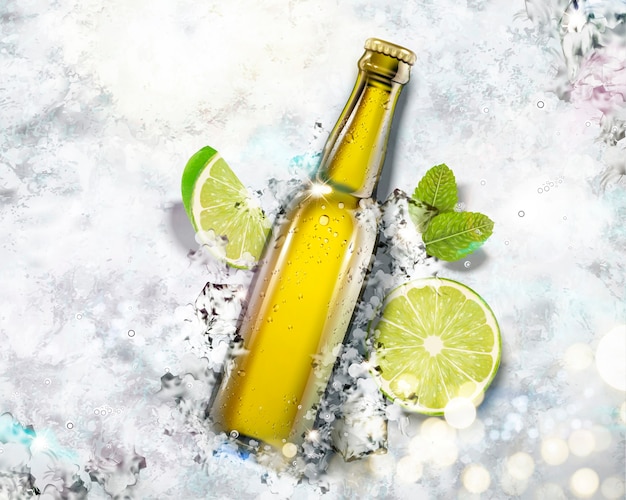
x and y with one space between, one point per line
312 271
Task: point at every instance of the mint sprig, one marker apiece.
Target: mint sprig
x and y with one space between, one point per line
448 235
438 188
453 235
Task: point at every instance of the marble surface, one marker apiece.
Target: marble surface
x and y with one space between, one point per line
101 105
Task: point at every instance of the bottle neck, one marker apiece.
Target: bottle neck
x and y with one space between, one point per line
355 151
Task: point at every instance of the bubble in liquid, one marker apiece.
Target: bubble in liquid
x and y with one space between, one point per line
485 109
588 124
521 213
79 316
96 411
234 434
131 333
540 104
324 220
483 182
539 190
467 263
506 242
70 425
47 381
340 204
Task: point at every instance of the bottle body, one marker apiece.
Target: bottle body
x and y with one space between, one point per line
300 306
312 272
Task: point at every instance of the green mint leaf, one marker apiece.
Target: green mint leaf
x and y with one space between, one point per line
420 213
438 188
453 235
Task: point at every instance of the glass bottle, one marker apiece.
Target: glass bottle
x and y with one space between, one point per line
311 274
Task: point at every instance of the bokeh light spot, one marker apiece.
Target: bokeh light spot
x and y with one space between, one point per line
409 469
611 358
584 482
520 465
460 413
581 442
578 357
554 451
476 478
612 488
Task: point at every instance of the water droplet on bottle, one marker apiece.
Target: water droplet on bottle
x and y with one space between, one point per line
325 240
324 220
131 333
234 434
521 213
540 104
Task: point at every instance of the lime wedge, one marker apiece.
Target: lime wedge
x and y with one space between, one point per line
435 340
226 217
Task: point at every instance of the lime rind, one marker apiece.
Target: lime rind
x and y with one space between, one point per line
458 370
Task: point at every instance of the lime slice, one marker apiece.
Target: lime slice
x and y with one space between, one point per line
435 340
227 218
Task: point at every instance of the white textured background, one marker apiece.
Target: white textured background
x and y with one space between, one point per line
101 105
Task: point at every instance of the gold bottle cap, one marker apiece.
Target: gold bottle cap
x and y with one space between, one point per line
390 49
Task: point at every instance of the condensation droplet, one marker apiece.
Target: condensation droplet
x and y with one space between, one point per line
324 220
540 104
131 333
521 213
234 434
